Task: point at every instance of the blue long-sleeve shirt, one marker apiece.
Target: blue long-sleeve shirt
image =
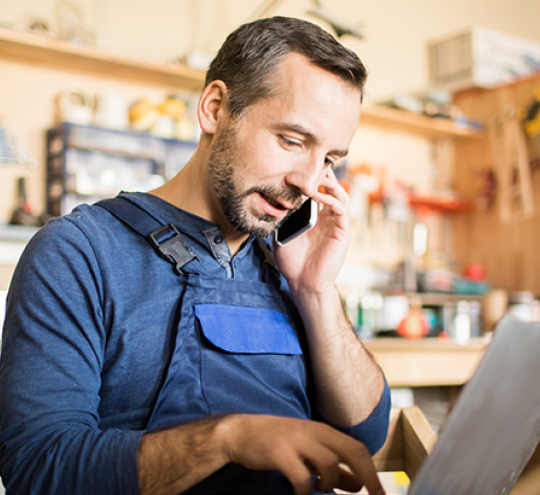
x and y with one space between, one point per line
86 344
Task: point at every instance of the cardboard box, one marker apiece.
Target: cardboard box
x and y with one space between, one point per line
481 58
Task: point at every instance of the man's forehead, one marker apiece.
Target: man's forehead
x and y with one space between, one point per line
295 63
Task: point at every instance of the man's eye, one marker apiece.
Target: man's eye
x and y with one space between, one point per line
289 142
329 163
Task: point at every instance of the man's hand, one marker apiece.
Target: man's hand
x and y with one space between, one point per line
299 449
173 460
312 261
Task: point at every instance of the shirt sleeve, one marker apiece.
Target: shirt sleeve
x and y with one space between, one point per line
52 354
372 432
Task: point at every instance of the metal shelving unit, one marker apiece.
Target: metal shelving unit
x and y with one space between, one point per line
87 163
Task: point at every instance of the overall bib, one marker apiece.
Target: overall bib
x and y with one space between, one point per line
239 349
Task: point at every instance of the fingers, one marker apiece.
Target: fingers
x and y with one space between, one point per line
298 474
347 480
333 187
301 448
338 461
335 196
356 466
324 463
362 468
321 463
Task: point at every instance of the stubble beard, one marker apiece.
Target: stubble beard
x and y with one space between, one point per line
221 167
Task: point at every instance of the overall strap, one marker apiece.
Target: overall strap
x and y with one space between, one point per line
267 253
165 239
270 271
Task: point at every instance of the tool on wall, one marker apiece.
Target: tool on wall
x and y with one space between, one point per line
509 151
488 179
339 25
532 120
22 214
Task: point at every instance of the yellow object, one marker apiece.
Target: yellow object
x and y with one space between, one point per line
163 120
532 122
140 109
143 115
172 107
401 479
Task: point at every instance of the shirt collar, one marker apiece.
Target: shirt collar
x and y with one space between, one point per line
203 232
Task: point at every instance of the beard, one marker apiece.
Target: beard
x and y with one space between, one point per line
224 168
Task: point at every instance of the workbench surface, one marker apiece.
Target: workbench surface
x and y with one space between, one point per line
426 362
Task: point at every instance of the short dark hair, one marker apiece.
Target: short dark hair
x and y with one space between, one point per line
247 60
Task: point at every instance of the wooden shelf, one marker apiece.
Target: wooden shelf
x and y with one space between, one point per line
45 51
442 298
40 50
426 362
441 204
431 203
400 120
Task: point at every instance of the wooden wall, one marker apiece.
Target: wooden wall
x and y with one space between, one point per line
509 250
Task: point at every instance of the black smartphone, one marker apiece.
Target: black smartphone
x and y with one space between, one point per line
298 222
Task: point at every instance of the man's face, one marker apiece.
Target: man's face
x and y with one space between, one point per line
264 164
224 166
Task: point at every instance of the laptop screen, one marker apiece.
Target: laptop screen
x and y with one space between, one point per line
494 426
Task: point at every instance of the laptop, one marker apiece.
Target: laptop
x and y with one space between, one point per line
494 427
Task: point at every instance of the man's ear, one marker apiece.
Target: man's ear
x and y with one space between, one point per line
212 106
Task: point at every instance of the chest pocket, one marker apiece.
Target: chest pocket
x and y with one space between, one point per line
251 361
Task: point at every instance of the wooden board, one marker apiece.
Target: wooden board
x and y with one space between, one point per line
400 120
410 440
426 362
508 250
41 51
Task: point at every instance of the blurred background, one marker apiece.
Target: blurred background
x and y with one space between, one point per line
98 96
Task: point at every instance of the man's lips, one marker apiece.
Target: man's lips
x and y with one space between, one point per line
272 207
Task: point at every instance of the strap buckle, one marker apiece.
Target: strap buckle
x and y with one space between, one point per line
171 246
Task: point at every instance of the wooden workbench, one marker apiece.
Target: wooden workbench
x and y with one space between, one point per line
426 362
411 439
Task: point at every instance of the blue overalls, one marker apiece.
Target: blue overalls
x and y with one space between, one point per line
239 349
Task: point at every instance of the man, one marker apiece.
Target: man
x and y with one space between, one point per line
123 374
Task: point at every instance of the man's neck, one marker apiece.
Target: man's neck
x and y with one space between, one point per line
188 191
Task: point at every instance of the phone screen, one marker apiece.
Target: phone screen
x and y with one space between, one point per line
298 222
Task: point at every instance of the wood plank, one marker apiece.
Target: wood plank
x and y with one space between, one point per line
400 120
508 250
410 440
390 456
39 50
426 362
383 344
418 439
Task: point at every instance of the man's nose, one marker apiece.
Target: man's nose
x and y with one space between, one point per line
306 176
